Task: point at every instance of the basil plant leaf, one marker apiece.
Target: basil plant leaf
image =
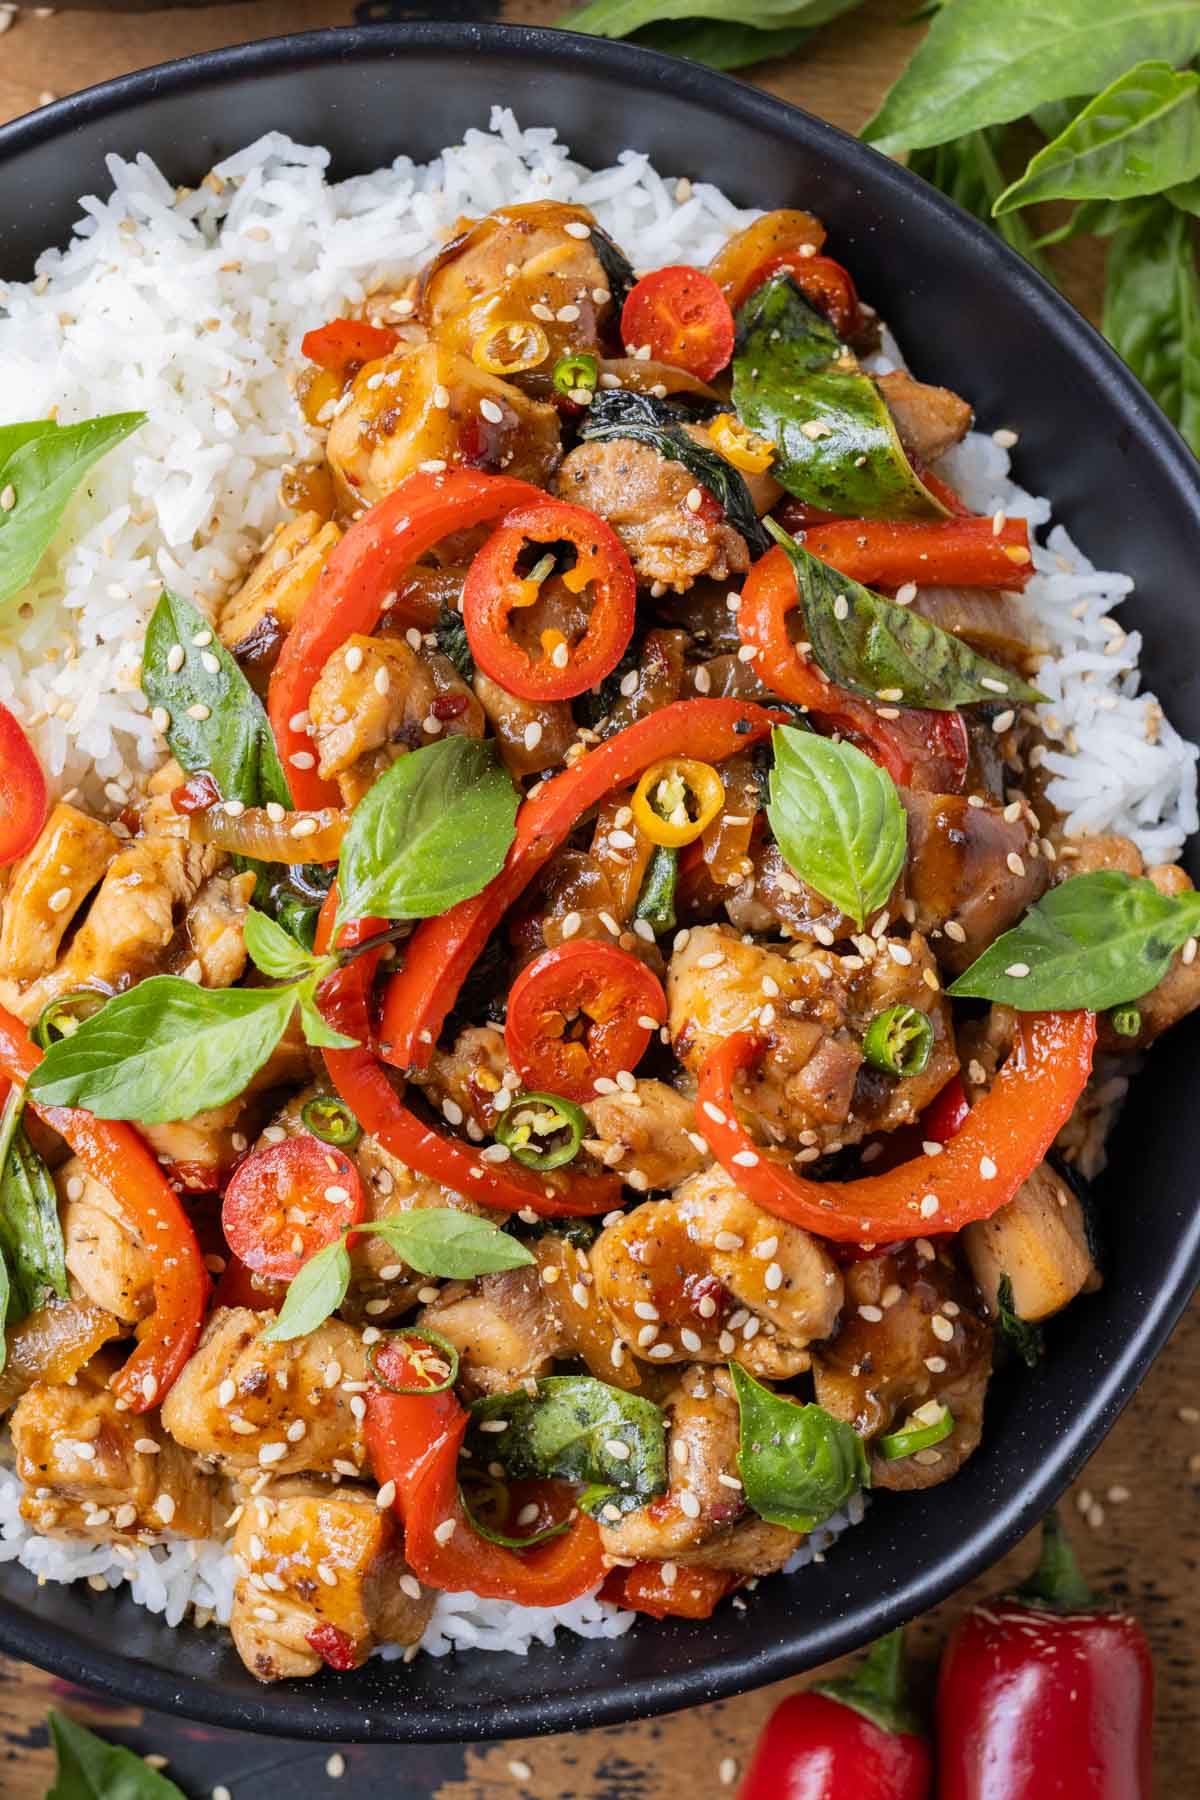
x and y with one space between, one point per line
315 1026
724 44
88 1768
798 1464
164 1050
275 951
1025 1339
565 1431
232 740
877 648
838 820
620 18
1095 941
41 465
433 830
1152 311
316 1292
836 445
982 64
968 170
452 1245
1141 135
1186 197
31 1240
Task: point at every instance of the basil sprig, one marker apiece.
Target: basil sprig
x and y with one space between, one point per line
798 1464
838 820
1095 941
877 648
89 1768
566 1431
41 465
436 1241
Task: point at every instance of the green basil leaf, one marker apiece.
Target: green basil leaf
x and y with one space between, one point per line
316 1292
982 64
877 648
31 1238
1141 135
622 413
792 375
451 634
41 465
313 1023
1092 218
233 741
621 18
968 170
798 1464
563 1432
1152 311
1095 941
724 44
838 820
1027 1340
88 1768
164 1050
454 1246
1186 197
433 830
275 951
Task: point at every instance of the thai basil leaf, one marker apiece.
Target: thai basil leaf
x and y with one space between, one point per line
232 741
838 820
618 270
1141 135
276 952
1093 218
623 413
1186 197
88 1768
796 384
982 64
31 1240
316 1292
433 830
877 648
724 44
41 465
1095 941
968 171
1152 311
451 634
798 1464
621 18
564 1431
313 1023
1027 1340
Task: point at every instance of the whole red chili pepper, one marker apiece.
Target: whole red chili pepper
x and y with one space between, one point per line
1046 1694
851 1739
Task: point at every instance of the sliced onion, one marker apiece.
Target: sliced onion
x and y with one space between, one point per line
644 377
298 837
996 624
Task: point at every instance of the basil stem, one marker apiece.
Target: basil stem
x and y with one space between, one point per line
914 1436
656 901
331 1120
542 1131
898 1041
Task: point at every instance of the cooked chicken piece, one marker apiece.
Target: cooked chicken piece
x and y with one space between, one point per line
707 1275
254 622
431 404
531 735
502 1326
48 886
774 899
470 1076
105 1253
323 1570
969 867
1102 850
588 1328
91 1470
199 1151
52 1344
646 1134
214 923
1039 1240
921 1340
928 419
811 1085
243 1401
752 1547
645 499
703 1434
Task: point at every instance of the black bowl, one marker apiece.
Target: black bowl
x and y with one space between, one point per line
969 313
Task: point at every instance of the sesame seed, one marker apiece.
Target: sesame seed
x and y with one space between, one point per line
532 735
617 1449
441 397
1004 438
226 1392
942 1328
1015 863
899 953
175 657
272 1453
383 681
1017 970
577 229
987 1169
160 718
199 711
301 759
304 828
335 1766
689 1505
712 959
1003 721
164 1506
445 1531
746 1159
774 1276
519 1770
727 1771
659 1351
690 1339
59 900
936 1365
8 498
728 1240
954 931
644 1309
930 1204
622 840
146 1446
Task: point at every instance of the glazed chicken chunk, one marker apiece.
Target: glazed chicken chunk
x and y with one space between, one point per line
503 1327
928 419
48 887
254 621
106 1255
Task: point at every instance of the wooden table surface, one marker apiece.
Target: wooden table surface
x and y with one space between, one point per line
1135 1512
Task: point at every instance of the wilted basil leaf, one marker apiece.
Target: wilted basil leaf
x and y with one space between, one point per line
798 1464
565 1431
838 820
1025 1339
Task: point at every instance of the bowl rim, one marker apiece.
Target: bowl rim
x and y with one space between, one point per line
296 1709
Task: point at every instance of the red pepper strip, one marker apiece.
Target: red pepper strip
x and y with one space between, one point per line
918 748
441 951
335 1647
694 1593
24 803
1001 1141
853 1739
1046 1693
343 343
414 1440
946 1114
951 553
114 1155
355 585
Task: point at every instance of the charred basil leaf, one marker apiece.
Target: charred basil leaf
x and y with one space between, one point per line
838 820
565 1432
1025 1339
622 413
451 634
618 270
798 1464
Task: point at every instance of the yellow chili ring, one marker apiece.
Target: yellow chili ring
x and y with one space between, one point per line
510 346
740 446
676 799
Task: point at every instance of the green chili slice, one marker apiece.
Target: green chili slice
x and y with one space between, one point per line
656 901
577 374
331 1120
429 1355
542 1131
493 1496
899 1041
59 1018
914 1436
1126 1021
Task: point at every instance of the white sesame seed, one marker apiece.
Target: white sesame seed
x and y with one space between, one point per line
936 1365
1017 970
302 759
226 1392
942 1328
727 1771
175 659
335 1766
690 1339
930 1204
199 711
987 1169
899 953
160 718
272 1453
1004 437
688 1504
519 1770
532 735
445 1531
774 1276
146 1446
659 1351
1003 721
1015 863
728 1240
577 229
164 1506
8 496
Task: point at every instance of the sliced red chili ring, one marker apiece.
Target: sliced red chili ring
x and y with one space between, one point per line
495 587
23 799
684 318
413 1361
288 1201
582 1012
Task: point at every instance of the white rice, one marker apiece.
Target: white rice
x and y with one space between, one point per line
190 305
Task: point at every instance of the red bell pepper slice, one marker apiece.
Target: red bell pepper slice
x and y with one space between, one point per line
683 316
23 799
693 1594
609 989
1001 1141
960 552
439 955
300 1192
115 1155
344 344
494 587
356 585
918 748
823 281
